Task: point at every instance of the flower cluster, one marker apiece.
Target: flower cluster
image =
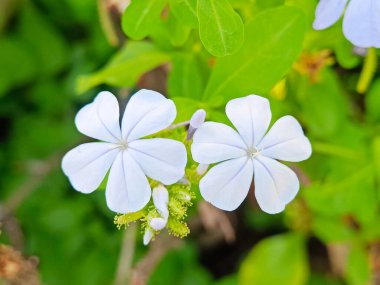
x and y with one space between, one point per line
169 209
137 164
361 23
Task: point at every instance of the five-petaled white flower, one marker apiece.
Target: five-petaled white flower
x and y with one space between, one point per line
361 23
247 152
129 157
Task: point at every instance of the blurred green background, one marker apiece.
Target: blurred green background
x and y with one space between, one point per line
50 52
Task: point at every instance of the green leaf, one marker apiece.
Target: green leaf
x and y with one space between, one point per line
343 196
308 7
276 260
126 67
327 120
221 29
331 230
13 55
170 32
345 55
372 102
180 266
45 43
185 11
185 78
321 279
141 16
266 4
186 108
273 42
376 155
358 271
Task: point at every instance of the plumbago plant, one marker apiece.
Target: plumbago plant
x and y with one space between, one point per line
174 31
222 81
133 159
229 67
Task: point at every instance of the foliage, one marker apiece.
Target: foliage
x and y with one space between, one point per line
272 255
209 51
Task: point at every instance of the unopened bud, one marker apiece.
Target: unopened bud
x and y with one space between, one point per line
198 118
196 121
148 235
158 223
160 200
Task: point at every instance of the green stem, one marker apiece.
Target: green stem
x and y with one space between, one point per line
106 23
368 71
127 251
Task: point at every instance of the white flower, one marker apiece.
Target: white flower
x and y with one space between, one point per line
130 158
247 152
361 23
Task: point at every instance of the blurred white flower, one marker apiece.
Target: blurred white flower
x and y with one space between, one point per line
130 158
247 152
361 23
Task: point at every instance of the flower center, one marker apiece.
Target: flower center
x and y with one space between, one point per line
123 145
252 152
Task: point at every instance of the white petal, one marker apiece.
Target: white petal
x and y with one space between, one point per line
128 189
160 200
163 160
286 141
100 119
275 184
147 112
158 223
227 184
87 164
148 235
251 116
328 13
361 23
215 142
